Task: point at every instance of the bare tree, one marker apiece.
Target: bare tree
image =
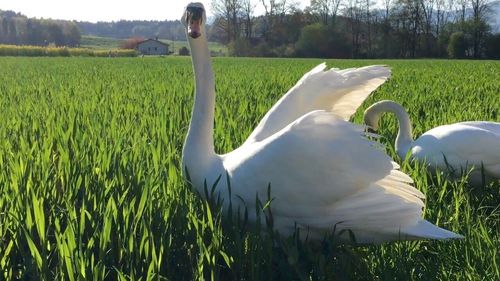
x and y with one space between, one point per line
428 8
326 9
368 25
479 10
322 9
410 18
247 9
275 11
227 13
354 14
462 7
387 6
440 19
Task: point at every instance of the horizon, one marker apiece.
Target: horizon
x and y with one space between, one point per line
107 11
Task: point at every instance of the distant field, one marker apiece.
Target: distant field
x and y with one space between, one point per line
40 51
91 187
96 42
217 48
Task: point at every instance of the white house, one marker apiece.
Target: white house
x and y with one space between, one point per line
152 47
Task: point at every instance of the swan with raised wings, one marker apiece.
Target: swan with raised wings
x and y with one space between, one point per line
460 146
323 170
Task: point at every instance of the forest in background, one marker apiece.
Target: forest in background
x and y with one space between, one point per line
18 29
359 28
325 28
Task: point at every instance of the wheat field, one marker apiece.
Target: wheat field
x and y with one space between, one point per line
91 185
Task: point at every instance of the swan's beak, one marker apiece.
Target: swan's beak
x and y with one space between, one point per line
194 29
194 18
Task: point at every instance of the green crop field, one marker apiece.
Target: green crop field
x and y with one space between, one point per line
97 42
91 186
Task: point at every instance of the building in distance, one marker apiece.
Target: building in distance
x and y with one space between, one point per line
152 47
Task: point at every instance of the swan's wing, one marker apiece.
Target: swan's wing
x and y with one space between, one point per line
325 171
339 91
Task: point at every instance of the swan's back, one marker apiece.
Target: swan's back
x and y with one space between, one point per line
492 127
462 146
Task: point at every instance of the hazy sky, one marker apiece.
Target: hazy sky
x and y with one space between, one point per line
106 10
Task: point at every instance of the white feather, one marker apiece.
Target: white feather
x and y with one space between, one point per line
338 91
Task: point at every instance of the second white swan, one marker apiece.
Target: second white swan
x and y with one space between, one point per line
461 147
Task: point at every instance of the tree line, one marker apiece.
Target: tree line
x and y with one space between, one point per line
17 29
357 28
122 29
325 28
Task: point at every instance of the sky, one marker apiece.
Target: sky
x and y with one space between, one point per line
107 10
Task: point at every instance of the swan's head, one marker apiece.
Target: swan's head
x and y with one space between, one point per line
371 118
194 20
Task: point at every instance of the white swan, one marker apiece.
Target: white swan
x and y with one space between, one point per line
459 146
323 171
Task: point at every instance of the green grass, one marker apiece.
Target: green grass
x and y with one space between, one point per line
91 188
97 42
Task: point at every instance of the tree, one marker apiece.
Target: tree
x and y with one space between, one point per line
313 41
319 40
11 32
3 31
247 10
273 19
480 28
354 14
368 21
325 9
228 12
492 46
457 46
55 34
72 34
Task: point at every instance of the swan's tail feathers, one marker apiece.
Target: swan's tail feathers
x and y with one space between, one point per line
426 230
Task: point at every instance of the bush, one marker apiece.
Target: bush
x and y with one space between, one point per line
457 45
240 48
183 51
318 40
493 46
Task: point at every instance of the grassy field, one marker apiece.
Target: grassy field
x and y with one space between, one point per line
106 43
91 188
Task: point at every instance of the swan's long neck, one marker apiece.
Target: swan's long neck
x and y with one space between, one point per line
404 138
198 148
